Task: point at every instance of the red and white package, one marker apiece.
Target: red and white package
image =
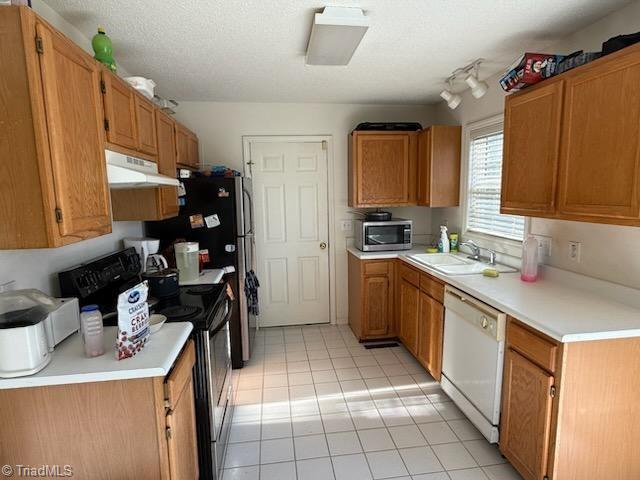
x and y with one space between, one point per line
133 321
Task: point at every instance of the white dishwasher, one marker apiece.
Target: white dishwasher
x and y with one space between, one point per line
473 357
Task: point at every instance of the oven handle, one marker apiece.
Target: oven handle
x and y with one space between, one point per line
226 319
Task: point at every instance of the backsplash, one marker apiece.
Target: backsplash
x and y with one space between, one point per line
38 268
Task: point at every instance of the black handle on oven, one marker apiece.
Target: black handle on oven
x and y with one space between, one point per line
226 319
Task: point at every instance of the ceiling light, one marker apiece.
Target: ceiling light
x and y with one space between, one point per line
478 87
452 99
335 35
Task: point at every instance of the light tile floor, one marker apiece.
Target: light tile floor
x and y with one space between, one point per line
314 404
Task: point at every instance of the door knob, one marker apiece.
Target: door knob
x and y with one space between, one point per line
485 322
323 245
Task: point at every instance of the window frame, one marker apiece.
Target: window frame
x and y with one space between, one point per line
497 243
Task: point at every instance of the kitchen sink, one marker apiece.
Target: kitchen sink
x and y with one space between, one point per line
456 263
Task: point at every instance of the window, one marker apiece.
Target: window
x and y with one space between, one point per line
483 194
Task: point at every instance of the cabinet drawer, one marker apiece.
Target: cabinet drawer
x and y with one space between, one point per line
538 349
376 268
432 287
410 275
180 375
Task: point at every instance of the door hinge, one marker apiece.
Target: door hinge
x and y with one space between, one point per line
58 215
546 477
325 145
103 87
168 432
106 124
552 391
39 47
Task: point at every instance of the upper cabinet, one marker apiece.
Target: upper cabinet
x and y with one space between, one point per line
54 185
396 168
146 123
439 166
186 147
119 111
572 144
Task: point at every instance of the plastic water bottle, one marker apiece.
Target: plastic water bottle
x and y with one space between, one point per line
92 330
529 271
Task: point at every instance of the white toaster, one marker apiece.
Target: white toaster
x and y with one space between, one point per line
31 325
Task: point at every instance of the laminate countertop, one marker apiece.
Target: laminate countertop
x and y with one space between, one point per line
69 364
565 306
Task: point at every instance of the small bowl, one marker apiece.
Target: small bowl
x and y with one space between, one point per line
156 321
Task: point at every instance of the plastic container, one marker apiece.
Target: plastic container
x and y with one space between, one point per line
188 260
443 242
92 331
103 49
145 86
529 270
453 242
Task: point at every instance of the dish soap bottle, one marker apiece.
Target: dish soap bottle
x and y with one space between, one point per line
103 49
529 271
443 243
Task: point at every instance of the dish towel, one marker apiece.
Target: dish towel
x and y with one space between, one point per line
251 285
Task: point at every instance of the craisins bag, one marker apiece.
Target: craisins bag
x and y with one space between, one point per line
133 321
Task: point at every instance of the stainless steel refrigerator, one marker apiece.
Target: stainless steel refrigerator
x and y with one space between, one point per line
218 214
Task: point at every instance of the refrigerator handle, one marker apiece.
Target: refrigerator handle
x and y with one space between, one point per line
250 210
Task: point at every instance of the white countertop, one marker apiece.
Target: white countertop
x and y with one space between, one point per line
564 305
206 276
69 364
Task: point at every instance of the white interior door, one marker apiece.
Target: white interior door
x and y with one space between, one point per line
291 222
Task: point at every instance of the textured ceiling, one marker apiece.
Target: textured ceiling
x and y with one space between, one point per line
253 50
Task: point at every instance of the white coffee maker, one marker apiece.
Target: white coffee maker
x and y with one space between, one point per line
147 248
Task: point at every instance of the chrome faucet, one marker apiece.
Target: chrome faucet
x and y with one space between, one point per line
492 256
475 249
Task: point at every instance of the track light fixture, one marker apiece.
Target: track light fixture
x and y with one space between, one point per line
477 86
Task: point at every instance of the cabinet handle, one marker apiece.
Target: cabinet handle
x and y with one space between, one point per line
168 432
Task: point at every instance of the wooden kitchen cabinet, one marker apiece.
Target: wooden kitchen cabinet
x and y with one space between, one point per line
572 144
430 335
125 429
409 307
53 172
146 123
382 168
438 180
119 111
531 147
186 147
152 203
566 407
371 298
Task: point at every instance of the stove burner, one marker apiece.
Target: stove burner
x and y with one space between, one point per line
201 290
177 312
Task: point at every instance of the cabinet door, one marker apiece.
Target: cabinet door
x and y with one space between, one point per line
376 305
146 123
525 422
409 311
167 163
120 111
192 146
439 166
600 155
430 333
181 436
384 169
71 83
424 168
182 145
531 149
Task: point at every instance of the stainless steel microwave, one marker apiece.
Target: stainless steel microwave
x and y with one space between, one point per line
394 234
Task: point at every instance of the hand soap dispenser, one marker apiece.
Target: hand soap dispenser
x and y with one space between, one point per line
529 271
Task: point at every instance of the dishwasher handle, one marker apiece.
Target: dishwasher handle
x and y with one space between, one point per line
482 316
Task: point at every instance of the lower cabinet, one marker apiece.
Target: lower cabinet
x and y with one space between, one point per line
371 299
409 313
430 333
140 429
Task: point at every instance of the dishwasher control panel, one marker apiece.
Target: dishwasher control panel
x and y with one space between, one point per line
482 316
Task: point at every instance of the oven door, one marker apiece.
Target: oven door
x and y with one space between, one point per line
218 353
386 236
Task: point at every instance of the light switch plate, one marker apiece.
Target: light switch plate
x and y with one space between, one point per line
574 251
544 246
346 225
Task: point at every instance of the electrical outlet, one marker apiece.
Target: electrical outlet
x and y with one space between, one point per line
544 246
346 225
574 251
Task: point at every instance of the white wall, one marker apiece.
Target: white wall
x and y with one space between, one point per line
38 268
608 252
221 126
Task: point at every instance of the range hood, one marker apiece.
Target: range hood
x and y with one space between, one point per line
124 171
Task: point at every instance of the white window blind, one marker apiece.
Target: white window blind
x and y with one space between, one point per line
483 199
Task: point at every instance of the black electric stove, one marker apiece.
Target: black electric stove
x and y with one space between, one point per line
196 304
